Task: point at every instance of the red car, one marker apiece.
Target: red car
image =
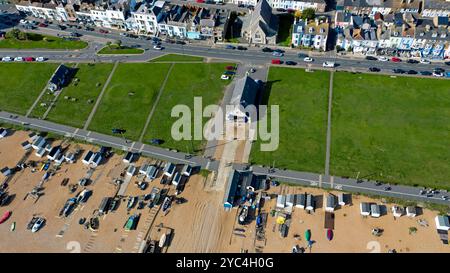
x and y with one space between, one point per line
276 61
395 60
103 31
200 1
28 59
43 25
230 67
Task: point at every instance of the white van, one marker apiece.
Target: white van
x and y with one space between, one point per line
328 64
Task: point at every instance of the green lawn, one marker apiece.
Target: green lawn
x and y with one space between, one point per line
302 98
177 58
42 41
391 129
129 98
77 100
21 84
114 49
185 82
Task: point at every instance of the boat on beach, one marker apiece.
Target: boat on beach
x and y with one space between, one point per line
162 240
13 226
5 216
329 234
308 235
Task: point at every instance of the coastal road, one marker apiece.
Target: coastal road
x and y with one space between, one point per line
346 184
107 140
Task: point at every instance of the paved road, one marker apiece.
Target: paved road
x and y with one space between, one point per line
344 184
106 140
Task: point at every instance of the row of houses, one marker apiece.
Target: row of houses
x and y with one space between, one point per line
405 34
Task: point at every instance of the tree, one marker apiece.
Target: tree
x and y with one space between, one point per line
13 34
119 43
308 14
298 14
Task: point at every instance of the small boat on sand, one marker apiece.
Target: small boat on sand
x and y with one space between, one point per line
5 217
162 240
308 235
329 234
13 226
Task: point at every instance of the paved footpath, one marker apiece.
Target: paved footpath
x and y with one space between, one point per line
330 105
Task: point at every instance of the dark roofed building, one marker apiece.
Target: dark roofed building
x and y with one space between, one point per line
261 26
60 78
244 94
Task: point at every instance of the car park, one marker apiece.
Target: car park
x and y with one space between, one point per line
308 60
371 58
328 64
374 69
395 60
291 63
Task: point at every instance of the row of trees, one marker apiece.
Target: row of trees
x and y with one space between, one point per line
16 34
306 14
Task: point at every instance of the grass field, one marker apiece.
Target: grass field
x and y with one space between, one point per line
85 88
129 98
42 41
21 84
185 82
177 58
302 98
114 49
391 129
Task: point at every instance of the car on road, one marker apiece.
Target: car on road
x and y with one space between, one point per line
42 25
291 63
308 59
425 73
328 64
89 28
383 59
276 61
267 49
241 48
411 72
158 47
62 27
395 60
230 47
40 59
371 58
178 42
224 77
439 70
104 31
75 34
124 34
412 61
447 63
398 71
18 59
28 59
374 69
424 61
277 54
7 59
438 74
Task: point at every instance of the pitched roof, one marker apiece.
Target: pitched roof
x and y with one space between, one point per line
244 92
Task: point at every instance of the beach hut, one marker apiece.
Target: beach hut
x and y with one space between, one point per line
309 205
330 203
32 136
70 158
48 147
187 170
442 222
411 211
3 132
54 153
290 200
143 169
364 209
169 169
281 201
341 199
230 190
87 158
176 179
59 159
152 172
131 170
300 201
40 152
375 210
397 211
129 158
38 143
97 159
26 145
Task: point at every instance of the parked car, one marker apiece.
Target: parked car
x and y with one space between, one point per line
374 69
28 59
424 61
230 47
103 31
438 74
383 59
224 77
278 54
439 70
425 73
328 64
276 61
267 49
40 59
62 27
18 59
412 61
241 48
371 58
395 60
308 59
230 67
447 63
398 71
7 59
291 63
42 25
411 72
158 47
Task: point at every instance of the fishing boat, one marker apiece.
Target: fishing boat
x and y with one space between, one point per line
5 217
329 234
38 224
94 224
243 215
308 235
68 207
162 240
166 203
13 226
132 222
132 202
